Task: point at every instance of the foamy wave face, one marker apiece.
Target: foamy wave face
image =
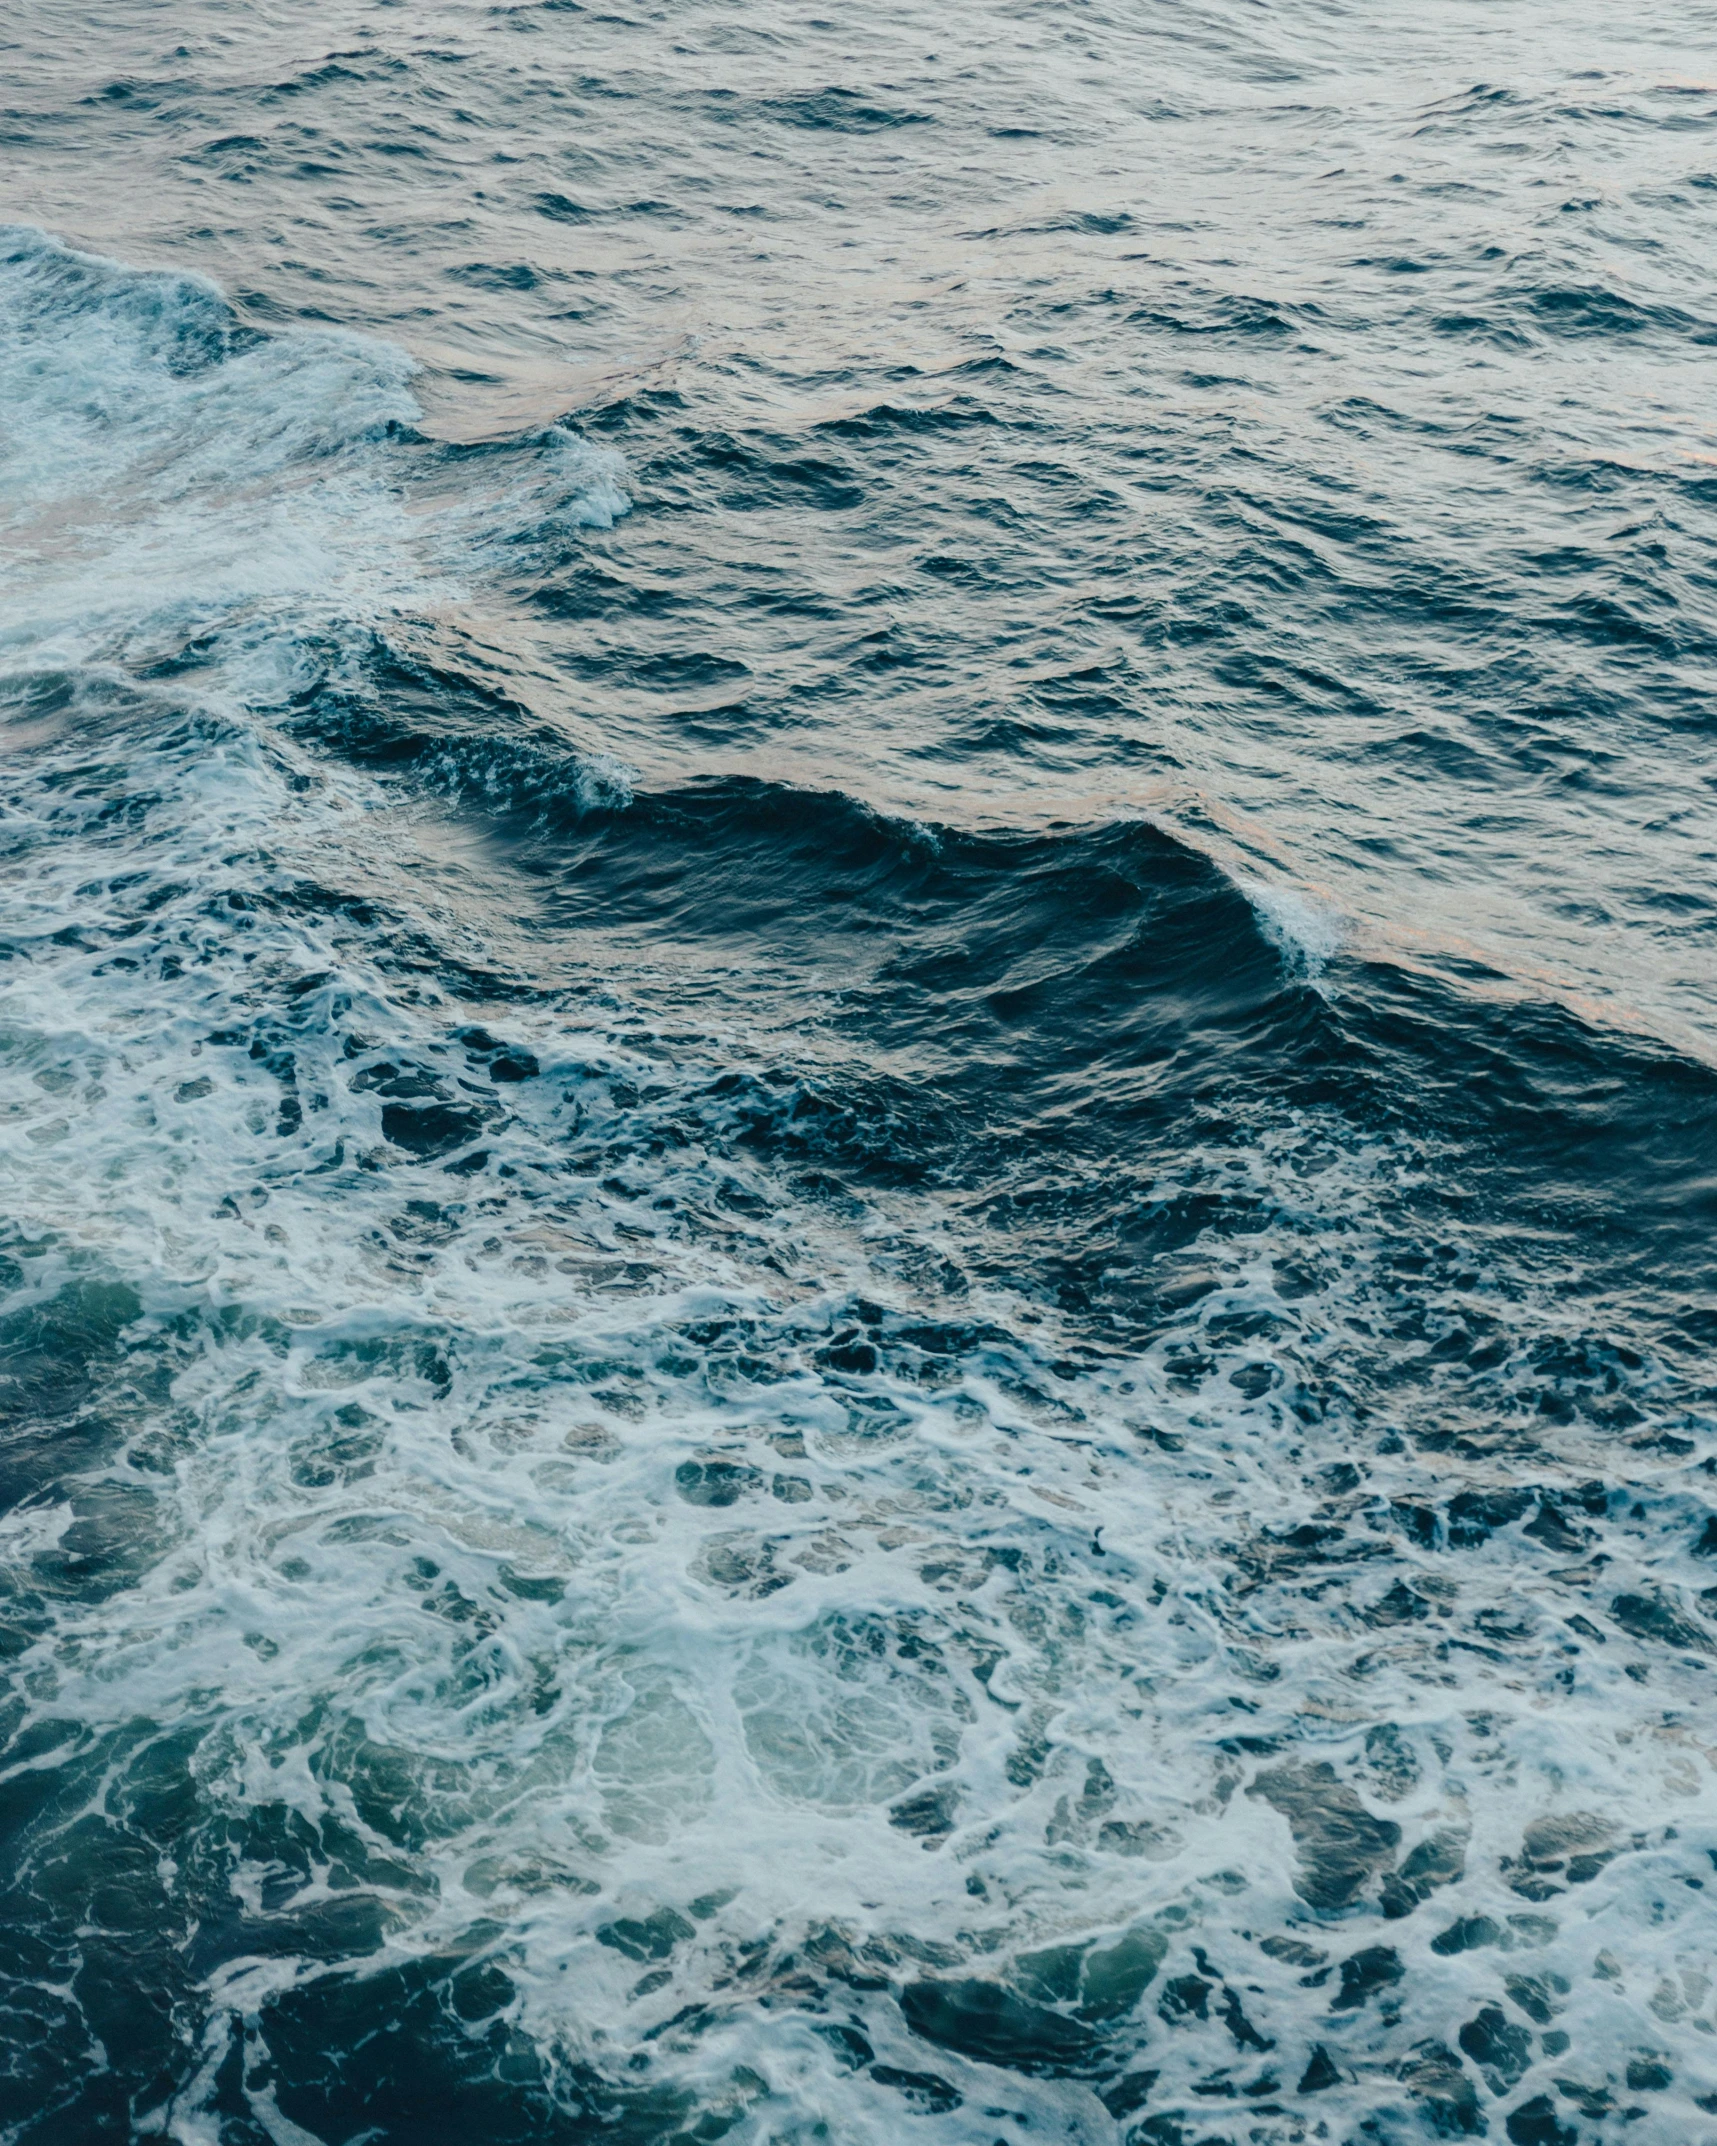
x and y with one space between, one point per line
163 466
1308 934
169 472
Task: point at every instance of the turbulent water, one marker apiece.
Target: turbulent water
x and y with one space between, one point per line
858 1074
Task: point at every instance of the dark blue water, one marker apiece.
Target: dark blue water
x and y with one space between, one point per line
858 1084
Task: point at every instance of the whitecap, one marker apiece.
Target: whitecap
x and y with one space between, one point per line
1308 933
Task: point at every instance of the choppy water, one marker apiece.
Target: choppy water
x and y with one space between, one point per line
859 1070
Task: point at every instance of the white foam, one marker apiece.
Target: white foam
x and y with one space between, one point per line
167 473
1307 932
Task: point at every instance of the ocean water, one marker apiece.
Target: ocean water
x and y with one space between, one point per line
858 1073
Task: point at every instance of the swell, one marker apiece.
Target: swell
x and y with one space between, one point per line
1079 998
1034 1021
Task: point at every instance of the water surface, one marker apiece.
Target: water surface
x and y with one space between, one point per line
858 1067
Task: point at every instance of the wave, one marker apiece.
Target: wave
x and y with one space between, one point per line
1091 991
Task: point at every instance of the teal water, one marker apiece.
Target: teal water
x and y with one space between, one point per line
857 1076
